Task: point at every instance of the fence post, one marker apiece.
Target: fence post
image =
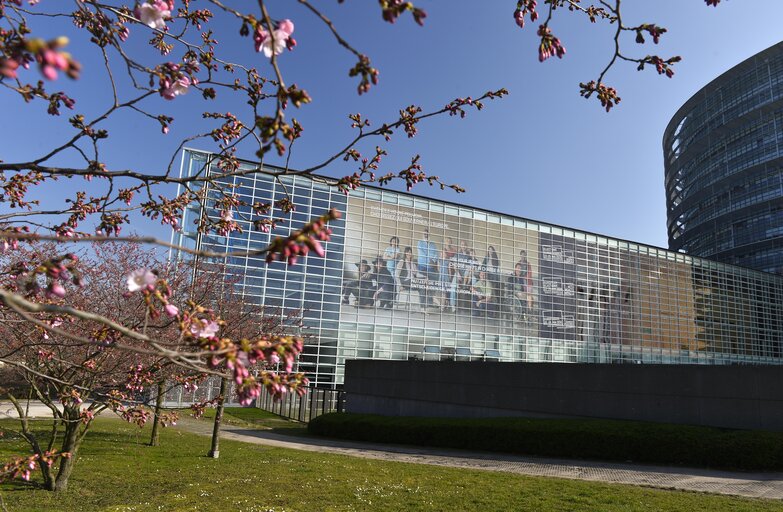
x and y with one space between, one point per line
306 407
313 402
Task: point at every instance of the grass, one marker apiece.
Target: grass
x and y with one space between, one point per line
116 472
571 438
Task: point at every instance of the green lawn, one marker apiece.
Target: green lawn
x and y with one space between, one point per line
117 472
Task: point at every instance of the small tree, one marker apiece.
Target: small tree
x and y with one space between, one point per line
69 362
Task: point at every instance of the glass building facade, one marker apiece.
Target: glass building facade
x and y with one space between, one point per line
723 155
406 277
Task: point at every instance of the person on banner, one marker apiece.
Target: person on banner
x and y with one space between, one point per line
482 295
363 288
461 282
446 265
391 257
517 286
527 272
384 284
491 264
406 273
428 267
471 275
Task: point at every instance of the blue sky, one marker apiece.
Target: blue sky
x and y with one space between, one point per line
542 153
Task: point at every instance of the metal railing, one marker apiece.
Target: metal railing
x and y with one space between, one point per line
315 402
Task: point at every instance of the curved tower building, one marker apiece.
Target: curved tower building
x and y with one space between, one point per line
723 155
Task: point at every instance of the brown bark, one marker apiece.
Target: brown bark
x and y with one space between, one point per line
71 440
46 471
214 452
155 437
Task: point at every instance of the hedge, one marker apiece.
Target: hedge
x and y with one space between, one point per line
610 440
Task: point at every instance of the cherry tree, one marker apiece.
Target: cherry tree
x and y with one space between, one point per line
68 363
43 291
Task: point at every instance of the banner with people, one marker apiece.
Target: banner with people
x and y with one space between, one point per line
471 271
399 258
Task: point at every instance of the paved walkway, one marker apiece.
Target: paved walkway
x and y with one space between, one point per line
753 485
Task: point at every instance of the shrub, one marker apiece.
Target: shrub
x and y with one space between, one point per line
571 438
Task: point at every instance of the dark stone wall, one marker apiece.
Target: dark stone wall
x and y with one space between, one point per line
722 396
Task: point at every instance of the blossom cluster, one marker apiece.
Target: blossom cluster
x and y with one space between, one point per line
663 67
274 350
139 377
300 243
86 416
169 210
71 397
525 8
270 351
654 30
9 243
174 79
274 42
20 52
154 13
278 384
550 45
22 467
606 95
190 382
155 291
202 327
54 323
349 183
167 419
392 9
455 107
138 415
55 271
198 408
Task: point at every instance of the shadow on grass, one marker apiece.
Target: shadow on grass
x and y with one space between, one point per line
21 486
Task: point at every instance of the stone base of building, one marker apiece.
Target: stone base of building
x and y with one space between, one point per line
744 397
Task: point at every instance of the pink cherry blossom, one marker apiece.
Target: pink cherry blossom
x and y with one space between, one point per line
286 26
51 62
204 328
55 290
277 41
154 13
140 279
171 310
171 90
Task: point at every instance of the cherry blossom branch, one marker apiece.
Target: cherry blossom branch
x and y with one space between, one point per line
452 108
611 11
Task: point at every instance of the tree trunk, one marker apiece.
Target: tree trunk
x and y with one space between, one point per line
214 452
155 437
46 471
70 445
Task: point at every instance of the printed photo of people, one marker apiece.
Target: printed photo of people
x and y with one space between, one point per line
440 266
467 272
